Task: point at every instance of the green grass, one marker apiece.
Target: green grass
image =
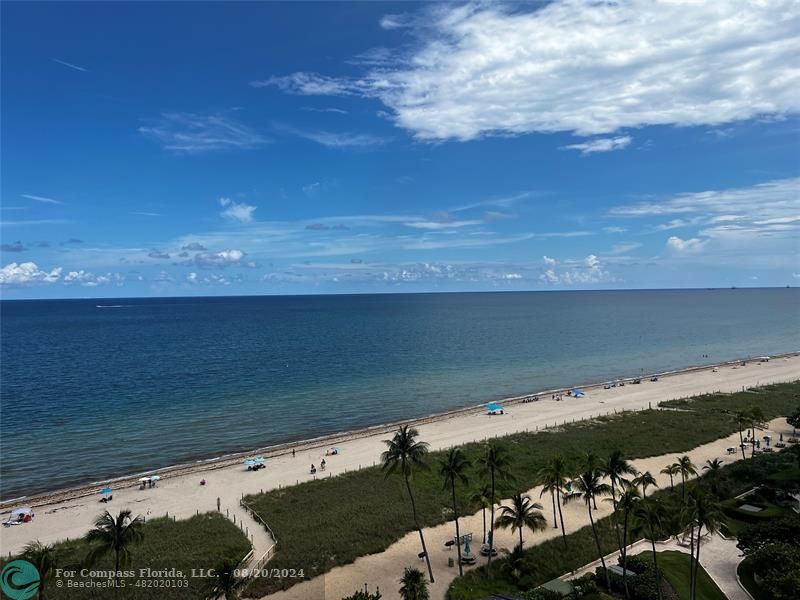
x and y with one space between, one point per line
747 577
197 543
674 566
330 522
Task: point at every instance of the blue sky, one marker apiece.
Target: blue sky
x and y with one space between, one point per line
274 148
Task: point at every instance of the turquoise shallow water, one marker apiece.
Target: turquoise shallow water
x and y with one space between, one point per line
99 388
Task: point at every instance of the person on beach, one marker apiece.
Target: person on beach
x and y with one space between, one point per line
292 452
322 464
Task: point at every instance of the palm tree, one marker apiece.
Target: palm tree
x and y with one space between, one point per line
587 487
225 582
414 586
453 470
707 513
671 470
521 514
645 480
115 535
553 475
483 497
742 420
592 463
686 468
43 557
627 503
615 468
713 467
405 454
495 461
649 514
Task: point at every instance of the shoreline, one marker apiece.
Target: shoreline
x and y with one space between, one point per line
129 480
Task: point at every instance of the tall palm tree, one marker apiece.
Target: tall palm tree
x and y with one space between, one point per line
649 515
43 557
495 462
671 470
592 462
225 582
521 514
686 468
644 480
413 585
453 470
615 468
117 535
553 476
627 503
708 514
404 455
713 467
483 497
587 487
742 420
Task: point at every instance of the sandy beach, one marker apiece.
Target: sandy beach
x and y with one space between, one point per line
70 514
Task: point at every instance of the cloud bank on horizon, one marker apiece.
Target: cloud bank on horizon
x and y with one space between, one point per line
571 144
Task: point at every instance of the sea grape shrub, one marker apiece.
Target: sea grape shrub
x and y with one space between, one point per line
641 579
777 567
362 595
782 530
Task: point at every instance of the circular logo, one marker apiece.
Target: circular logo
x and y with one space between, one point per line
19 580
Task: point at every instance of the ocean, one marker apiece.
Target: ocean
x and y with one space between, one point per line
101 388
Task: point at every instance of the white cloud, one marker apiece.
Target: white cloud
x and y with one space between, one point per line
396 21
589 271
70 65
615 229
601 145
42 199
440 225
27 272
224 258
586 67
623 248
237 211
690 246
191 133
549 261
87 279
333 139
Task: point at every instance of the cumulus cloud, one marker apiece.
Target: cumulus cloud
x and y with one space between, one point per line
586 272
601 145
586 67
224 258
192 133
549 261
158 254
689 246
237 211
27 272
88 279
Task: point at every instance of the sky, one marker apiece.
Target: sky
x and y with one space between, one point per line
177 149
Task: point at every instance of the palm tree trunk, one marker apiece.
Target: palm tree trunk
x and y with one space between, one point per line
491 533
419 529
625 555
458 532
484 524
561 518
555 515
520 538
683 484
599 550
614 514
116 573
741 444
697 566
691 559
655 563
671 486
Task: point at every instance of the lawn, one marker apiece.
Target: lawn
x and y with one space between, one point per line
675 568
197 543
331 522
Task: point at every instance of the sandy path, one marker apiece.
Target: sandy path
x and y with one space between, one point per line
182 495
384 569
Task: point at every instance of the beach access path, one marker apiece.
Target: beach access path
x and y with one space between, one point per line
181 495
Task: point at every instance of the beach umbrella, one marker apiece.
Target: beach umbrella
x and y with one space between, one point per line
144 479
494 406
105 490
249 462
155 478
577 392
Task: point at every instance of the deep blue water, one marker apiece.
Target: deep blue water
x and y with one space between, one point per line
90 392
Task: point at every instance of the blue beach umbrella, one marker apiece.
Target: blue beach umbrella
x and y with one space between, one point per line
494 406
249 462
577 392
106 490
